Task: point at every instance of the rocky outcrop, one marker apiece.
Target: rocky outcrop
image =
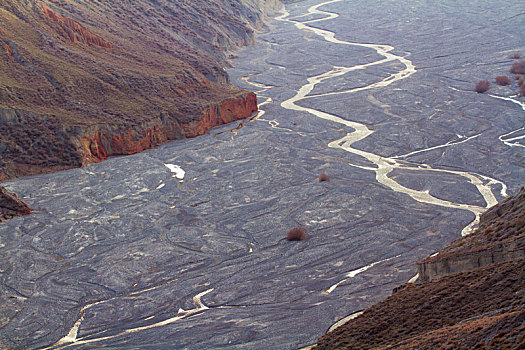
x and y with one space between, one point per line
99 146
9 51
437 268
223 113
11 206
102 144
75 31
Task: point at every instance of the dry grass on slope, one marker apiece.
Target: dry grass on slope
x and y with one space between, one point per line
440 306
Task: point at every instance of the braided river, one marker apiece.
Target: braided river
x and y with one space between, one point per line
183 246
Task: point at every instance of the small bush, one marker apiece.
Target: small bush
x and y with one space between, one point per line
518 67
516 55
296 234
502 80
522 90
482 86
324 178
521 80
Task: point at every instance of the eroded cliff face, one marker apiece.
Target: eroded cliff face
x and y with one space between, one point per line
222 113
503 252
80 81
75 31
102 144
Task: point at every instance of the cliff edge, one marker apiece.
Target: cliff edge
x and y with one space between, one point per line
499 238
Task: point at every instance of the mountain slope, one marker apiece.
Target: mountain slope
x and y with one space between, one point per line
82 80
465 301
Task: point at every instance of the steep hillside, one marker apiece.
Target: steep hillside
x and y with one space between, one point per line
81 80
473 295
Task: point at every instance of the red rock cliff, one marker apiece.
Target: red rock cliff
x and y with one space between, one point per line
102 144
223 113
99 146
75 31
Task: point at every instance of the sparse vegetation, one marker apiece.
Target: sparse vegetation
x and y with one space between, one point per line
296 234
482 86
520 81
324 178
502 80
522 89
516 55
518 67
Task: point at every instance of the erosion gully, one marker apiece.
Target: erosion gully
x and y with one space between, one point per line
183 246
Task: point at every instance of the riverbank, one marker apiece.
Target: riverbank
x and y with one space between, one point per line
473 303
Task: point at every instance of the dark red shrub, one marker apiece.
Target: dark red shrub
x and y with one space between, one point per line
522 90
482 86
502 80
296 234
518 67
323 178
516 55
520 81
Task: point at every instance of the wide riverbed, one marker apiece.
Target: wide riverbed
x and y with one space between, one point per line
183 246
